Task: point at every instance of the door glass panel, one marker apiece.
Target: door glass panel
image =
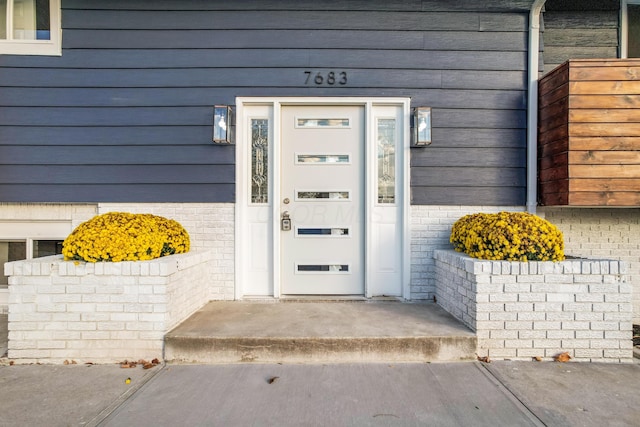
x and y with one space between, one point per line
42 248
323 195
322 123
323 268
323 232
386 160
259 161
633 16
322 158
11 251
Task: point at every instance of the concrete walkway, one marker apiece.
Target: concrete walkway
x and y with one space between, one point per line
447 394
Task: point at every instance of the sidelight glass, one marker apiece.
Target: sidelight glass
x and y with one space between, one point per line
386 160
259 161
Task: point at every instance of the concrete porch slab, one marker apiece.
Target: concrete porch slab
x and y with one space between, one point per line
320 332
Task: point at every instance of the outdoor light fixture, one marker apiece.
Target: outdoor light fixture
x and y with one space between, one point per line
222 127
422 126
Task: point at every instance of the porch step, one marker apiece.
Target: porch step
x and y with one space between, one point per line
319 332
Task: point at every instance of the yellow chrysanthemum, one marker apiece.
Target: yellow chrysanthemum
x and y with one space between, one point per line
510 236
121 236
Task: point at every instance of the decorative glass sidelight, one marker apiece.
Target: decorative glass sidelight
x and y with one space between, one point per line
259 161
386 160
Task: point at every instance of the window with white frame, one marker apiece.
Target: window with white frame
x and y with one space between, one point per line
30 27
630 29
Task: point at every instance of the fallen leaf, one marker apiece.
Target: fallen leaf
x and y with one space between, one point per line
147 365
66 362
73 362
155 361
273 380
11 363
538 359
484 359
562 357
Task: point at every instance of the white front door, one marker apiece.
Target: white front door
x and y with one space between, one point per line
322 200
338 168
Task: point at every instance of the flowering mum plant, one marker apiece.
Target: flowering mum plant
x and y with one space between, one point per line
120 236
508 236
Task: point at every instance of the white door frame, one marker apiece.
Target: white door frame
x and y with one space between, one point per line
270 214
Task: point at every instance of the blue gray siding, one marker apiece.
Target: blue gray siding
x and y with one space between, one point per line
125 114
580 29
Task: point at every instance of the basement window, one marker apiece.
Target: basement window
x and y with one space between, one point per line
16 250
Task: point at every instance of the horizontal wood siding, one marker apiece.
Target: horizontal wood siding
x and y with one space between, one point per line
589 139
125 114
579 29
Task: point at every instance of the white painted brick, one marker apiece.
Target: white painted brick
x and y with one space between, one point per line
563 334
497 353
622 335
501 315
504 334
605 307
546 325
560 297
605 343
547 306
622 354
589 316
520 325
590 334
531 315
559 315
575 326
590 297
532 334
518 288
490 325
576 344
532 297
605 326
547 343
578 307
519 307
518 344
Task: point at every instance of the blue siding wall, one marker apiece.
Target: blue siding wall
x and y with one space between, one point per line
125 114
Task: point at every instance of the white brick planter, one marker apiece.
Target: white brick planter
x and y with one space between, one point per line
521 310
102 312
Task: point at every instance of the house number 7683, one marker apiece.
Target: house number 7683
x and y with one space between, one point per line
330 78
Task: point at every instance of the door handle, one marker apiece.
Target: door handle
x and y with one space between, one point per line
285 221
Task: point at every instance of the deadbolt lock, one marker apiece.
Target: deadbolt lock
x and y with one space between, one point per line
285 222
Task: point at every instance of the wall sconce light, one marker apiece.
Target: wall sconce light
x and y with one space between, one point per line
422 126
222 124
